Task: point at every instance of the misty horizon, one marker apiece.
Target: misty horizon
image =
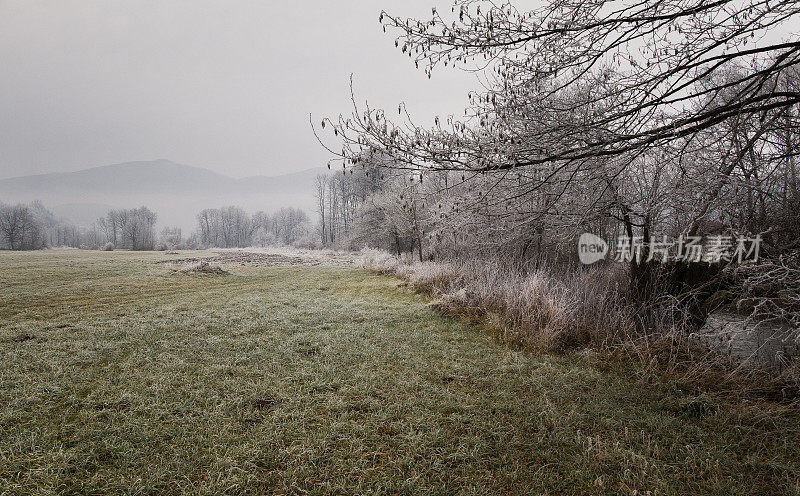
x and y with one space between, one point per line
159 160
175 192
225 87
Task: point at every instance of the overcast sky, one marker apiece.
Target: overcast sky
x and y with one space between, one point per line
226 85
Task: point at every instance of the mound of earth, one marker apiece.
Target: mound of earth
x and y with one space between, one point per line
203 267
262 259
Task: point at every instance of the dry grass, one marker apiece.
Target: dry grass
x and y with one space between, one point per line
203 267
584 309
531 309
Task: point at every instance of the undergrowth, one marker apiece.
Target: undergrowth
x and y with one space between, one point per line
585 309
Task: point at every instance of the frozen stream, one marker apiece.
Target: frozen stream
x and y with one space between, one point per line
766 344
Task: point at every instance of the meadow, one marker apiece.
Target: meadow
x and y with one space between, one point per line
122 374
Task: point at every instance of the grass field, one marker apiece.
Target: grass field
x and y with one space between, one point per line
119 375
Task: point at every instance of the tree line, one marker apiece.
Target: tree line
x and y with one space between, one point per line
232 227
371 206
657 120
33 227
692 133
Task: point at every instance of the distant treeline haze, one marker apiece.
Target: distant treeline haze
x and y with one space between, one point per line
232 227
34 227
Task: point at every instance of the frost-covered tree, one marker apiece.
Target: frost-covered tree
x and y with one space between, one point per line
634 117
130 229
20 229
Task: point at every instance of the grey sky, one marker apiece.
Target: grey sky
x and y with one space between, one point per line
226 85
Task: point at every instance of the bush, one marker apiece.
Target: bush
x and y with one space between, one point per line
530 308
593 308
308 241
108 246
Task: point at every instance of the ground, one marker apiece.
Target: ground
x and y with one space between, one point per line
123 374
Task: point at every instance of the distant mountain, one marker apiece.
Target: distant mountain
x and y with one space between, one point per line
175 191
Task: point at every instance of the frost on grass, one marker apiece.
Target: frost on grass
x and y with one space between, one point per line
270 257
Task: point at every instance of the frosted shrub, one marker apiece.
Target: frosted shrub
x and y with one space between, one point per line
532 308
377 260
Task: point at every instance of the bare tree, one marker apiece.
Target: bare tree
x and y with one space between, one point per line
171 238
20 229
320 183
595 114
232 227
131 229
586 79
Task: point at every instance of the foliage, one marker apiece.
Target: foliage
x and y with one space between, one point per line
653 119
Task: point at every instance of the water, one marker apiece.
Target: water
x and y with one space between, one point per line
767 344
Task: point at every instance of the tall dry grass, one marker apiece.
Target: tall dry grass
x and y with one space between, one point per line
583 308
532 308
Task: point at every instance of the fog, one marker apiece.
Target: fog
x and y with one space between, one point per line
228 86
